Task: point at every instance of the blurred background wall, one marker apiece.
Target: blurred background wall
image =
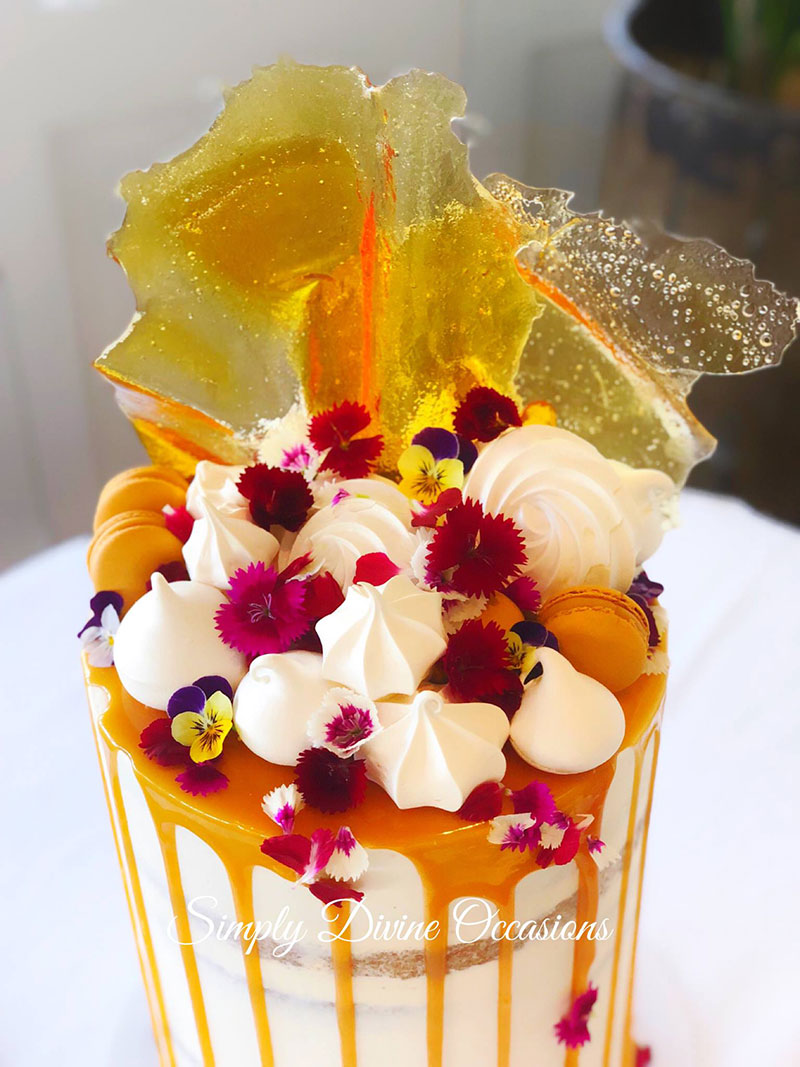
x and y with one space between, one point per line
94 88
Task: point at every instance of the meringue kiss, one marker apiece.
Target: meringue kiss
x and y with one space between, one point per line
433 753
169 638
276 699
383 639
216 484
221 544
567 722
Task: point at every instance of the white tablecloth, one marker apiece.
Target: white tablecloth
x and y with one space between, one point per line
719 942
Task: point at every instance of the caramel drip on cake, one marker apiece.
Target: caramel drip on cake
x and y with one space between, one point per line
642 745
436 972
133 895
169 851
242 888
453 860
629 1008
341 955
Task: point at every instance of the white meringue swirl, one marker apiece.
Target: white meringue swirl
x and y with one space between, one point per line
216 484
220 545
339 534
275 701
586 519
169 638
383 640
432 753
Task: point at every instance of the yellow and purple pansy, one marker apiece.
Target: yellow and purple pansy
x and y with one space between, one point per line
524 640
201 716
435 461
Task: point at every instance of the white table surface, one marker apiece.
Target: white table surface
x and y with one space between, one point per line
719 942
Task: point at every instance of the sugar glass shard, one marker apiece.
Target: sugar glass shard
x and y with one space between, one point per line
326 239
632 317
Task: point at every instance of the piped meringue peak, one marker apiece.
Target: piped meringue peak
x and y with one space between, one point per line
431 752
383 639
220 545
216 484
401 629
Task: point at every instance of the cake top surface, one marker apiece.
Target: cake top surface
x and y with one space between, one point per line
415 438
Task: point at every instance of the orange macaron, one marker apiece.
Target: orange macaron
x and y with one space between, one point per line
140 489
127 548
502 610
602 632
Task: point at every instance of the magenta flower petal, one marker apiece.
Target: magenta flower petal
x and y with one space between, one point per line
537 800
202 779
572 1029
484 802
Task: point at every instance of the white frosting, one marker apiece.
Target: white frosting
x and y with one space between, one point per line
383 640
432 753
275 701
168 639
381 490
216 484
220 544
339 534
586 520
567 722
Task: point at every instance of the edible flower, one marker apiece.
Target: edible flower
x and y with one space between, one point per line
329 783
308 857
538 826
266 609
424 477
97 635
158 744
645 592
524 593
282 805
179 522
277 497
473 553
349 859
524 638
333 432
514 832
478 668
343 722
484 802
375 568
202 717
484 413
644 1056
202 779
429 515
572 1029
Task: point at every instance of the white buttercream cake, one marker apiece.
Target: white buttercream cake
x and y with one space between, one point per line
375 672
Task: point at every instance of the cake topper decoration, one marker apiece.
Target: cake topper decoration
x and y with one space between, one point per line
324 223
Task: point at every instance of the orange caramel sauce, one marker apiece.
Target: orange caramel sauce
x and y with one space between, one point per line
453 858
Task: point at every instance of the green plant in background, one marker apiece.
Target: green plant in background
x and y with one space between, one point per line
762 47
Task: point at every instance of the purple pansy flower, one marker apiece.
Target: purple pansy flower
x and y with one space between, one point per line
97 635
